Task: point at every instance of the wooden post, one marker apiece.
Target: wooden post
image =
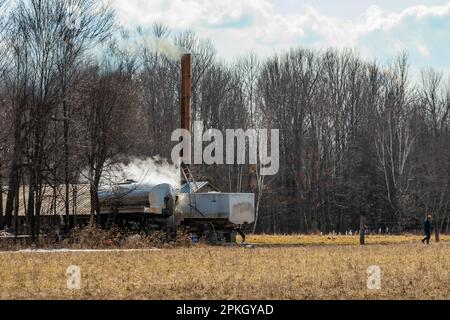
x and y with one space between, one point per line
437 231
362 230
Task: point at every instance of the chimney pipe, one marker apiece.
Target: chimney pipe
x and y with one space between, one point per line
185 99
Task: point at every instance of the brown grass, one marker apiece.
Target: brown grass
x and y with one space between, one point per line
409 271
337 240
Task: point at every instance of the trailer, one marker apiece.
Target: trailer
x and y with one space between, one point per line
202 211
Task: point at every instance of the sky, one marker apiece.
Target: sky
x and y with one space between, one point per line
376 29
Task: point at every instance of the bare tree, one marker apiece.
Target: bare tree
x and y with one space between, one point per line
249 69
47 40
106 109
3 123
395 137
85 24
435 160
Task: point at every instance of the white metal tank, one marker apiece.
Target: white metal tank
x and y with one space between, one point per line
129 197
237 208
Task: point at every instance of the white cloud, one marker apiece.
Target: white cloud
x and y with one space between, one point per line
241 25
423 50
377 19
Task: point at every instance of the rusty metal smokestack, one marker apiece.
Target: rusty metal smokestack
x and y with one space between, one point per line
185 99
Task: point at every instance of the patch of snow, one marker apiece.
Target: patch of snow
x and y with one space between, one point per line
81 250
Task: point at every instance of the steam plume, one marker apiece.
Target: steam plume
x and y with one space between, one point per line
137 41
151 170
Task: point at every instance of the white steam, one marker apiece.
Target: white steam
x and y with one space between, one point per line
153 171
150 171
168 49
136 42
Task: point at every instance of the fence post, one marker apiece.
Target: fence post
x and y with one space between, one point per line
362 230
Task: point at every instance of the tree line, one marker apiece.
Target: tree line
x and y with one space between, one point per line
79 94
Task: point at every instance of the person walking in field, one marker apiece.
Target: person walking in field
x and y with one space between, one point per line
427 228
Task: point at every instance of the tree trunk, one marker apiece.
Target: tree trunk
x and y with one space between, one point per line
66 164
74 205
16 210
13 183
1 202
437 232
95 206
38 206
448 224
30 211
10 198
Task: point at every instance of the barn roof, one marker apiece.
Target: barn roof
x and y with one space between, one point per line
53 200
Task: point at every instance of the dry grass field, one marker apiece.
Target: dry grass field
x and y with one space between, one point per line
336 240
338 271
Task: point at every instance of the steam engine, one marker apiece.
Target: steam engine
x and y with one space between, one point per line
201 209
215 215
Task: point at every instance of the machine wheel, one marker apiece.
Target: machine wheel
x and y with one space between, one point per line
230 237
210 235
170 225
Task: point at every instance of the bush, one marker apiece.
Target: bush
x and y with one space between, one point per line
95 237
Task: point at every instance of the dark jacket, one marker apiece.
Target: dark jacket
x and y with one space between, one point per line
427 227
